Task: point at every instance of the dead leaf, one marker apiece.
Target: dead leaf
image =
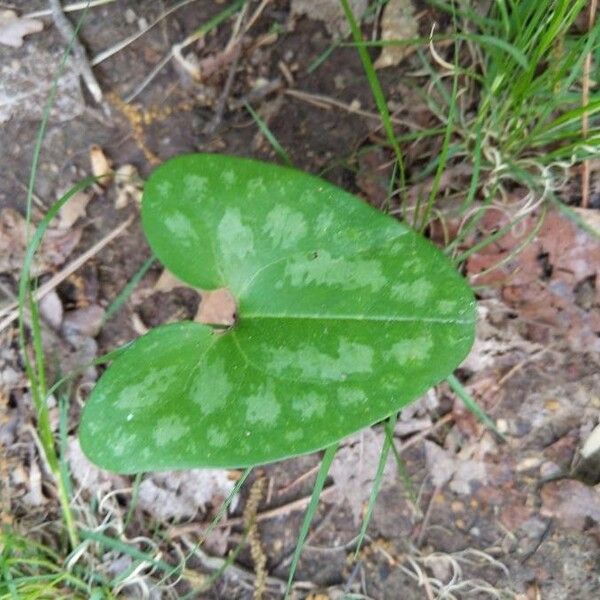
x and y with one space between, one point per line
167 282
89 477
34 495
58 244
571 502
217 308
13 239
440 464
73 210
13 28
330 13
83 322
592 443
51 309
181 494
129 186
551 283
101 165
398 23
354 468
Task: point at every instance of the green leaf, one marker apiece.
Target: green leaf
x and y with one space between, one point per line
344 316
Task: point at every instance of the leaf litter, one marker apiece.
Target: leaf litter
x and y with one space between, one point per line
14 28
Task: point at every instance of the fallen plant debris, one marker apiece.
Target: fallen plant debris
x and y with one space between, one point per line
491 520
398 23
14 28
551 282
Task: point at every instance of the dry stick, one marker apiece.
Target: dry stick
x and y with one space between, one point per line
176 52
67 31
68 8
214 123
68 270
179 530
585 99
326 102
102 56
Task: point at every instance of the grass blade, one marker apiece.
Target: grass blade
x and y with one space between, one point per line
472 405
310 512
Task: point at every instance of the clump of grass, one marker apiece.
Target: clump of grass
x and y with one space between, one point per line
506 88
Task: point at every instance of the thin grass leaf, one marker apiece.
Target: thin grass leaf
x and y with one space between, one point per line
115 544
127 290
376 90
375 488
311 509
317 62
217 518
443 158
264 128
472 405
401 468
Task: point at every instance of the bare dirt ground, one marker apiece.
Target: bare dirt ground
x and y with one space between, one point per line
488 519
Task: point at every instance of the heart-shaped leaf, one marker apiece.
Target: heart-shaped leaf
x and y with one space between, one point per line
344 316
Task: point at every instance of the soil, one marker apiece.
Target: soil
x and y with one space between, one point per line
499 531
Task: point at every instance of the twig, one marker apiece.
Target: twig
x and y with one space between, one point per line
327 103
179 530
102 56
68 270
304 476
214 123
585 99
68 8
68 32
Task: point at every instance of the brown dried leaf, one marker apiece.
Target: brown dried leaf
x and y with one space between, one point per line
13 28
168 282
181 494
217 308
13 239
73 210
354 469
571 502
129 186
330 13
101 165
440 463
398 23
83 322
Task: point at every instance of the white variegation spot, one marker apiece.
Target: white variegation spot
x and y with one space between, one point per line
217 437
323 269
144 394
170 429
310 405
180 227
294 435
285 227
211 387
351 396
122 443
236 240
416 349
263 407
417 292
228 177
164 188
352 358
324 221
446 306
195 186
256 186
